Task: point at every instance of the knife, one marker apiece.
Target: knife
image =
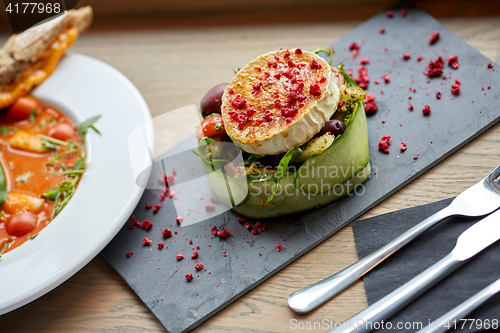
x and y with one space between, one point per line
469 243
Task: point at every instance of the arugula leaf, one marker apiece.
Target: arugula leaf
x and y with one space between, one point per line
6 246
24 177
79 163
86 125
61 194
280 171
33 116
329 52
34 236
235 71
349 82
3 186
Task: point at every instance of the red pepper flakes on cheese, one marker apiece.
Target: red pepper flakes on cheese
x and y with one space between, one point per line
238 103
315 89
298 51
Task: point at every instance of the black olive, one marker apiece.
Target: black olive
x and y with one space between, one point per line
212 100
335 127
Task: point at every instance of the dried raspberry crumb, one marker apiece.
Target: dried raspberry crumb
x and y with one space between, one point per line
179 257
453 61
490 65
213 199
223 233
403 146
197 247
455 88
146 241
438 95
214 230
254 231
129 254
134 223
381 31
404 12
240 220
389 14
415 158
198 267
194 255
365 61
489 87
160 246
146 225
434 38
238 103
376 81
323 79
355 49
315 65
426 110
371 108
166 233
419 58
148 205
247 225
315 90
384 143
179 219
435 68
387 79
231 91
278 247
189 277
259 225
406 56
209 208
298 51
191 242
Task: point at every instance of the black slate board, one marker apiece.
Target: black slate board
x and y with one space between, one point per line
417 256
158 278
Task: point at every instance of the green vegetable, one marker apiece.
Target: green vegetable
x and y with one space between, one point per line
84 127
235 71
349 82
280 171
34 236
33 116
24 177
6 129
3 186
61 194
6 246
329 52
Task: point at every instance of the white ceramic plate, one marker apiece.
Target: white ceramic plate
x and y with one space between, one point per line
82 87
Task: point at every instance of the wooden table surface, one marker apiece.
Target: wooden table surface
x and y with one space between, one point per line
174 68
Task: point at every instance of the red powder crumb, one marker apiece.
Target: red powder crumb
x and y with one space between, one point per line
189 277
223 233
146 241
209 208
213 199
355 49
160 246
434 38
247 225
453 61
134 223
403 146
406 56
278 247
438 95
254 231
365 61
231 91
419 58
426 110
370 106
198 267
490 65
148 205
259 225
415 158
384 143
404 12
146 225
435 68
166 233
129 254
315 90
489 87
298 51
194 255
156 209
455 88
179 219
179 257
381 31
410 107
387 79
214 230
389 14
240 220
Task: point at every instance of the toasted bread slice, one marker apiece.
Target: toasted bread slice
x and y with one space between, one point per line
28 58
278 101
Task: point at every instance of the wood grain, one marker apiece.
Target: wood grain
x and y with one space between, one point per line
173 68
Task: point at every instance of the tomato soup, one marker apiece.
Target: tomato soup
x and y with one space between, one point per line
43 158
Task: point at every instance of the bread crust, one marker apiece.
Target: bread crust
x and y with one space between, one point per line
23 50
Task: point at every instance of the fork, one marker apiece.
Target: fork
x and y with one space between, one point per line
479 200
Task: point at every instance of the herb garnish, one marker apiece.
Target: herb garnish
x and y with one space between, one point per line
236 71
329 52
24 177
34 236
6 246
3 186
280 171
6 129
33 116
84 127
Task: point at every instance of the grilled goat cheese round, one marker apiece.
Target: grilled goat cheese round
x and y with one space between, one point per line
279 100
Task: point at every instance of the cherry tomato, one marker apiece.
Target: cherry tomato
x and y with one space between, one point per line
20 224
213 125
21 109
61 131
